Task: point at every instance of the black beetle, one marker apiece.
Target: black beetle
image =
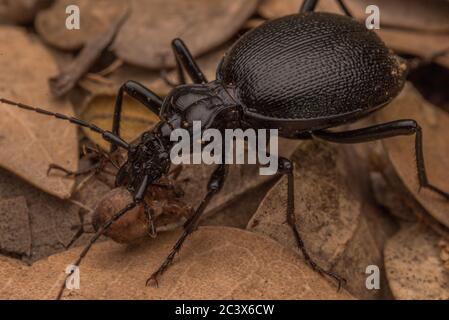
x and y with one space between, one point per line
301 74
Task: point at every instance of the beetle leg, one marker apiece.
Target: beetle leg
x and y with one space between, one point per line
310 5
138 197
286 168
95 237
185 59
382 131
142 94
215 184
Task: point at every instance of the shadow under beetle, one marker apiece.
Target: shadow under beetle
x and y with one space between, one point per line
301 74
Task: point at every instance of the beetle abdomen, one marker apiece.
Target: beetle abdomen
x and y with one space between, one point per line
312 65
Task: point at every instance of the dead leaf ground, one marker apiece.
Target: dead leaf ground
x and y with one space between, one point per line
255 267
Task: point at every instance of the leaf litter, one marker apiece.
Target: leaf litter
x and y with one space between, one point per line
41 140
344 229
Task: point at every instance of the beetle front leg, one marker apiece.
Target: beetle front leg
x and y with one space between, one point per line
387 130
215 184
142 94
286 168
138 197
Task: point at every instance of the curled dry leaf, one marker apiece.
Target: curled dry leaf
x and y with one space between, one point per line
30 141
435 125
413 265
21 11
203 25
342 230
70 74
136 118
215 263
96 16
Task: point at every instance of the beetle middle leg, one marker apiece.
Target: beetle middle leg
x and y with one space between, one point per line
215 184
387 130
286 168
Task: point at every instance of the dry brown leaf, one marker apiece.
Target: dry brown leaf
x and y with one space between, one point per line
136 118
413 266
15 231
111 83
342 230
271 9
21 11
425 27
255 267
29 141
145 38
429 16
415 43
49 221
435 123
410 26
408 14
96 17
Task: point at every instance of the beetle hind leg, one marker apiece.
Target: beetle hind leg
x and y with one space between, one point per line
286 167
310 5
387 130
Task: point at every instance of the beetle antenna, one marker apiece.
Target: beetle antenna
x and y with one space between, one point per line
107 135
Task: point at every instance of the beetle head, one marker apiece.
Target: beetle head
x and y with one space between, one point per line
148 157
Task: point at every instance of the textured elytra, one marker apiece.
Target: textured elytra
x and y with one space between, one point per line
313 65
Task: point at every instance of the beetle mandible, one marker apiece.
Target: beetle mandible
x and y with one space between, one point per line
301 74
